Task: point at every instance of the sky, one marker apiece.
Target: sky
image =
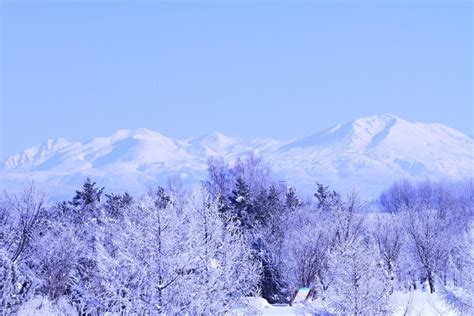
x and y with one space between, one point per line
278 69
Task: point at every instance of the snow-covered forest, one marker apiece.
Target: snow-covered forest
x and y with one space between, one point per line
239 237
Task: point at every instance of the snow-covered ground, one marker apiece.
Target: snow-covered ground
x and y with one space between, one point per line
401 304
420 303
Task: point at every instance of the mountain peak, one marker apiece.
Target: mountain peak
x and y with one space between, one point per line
136 133
214 138
388 115
381 120
356 134
36 154
146 133
56 142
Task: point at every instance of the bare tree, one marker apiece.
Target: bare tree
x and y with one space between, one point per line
254 171
359 285
20 213
400 195
388 237
220 178
306 249
430 239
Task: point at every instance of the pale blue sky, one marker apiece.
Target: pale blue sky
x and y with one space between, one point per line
272 69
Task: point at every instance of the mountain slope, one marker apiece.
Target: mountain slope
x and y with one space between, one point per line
369 153
35 155
366 153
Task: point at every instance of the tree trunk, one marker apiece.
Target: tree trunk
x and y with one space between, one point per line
295 292
431 282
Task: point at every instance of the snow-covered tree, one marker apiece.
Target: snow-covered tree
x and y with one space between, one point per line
55 259
429 237
241 205
359 285
14 289
20 214
292 201
306 247
400 195
261 218
186 258
388 238
160 253
223 266
173 251
253 170
116 204
85 205
316 231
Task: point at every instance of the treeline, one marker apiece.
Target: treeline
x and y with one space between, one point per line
240 234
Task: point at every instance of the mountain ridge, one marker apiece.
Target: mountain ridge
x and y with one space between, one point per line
375 150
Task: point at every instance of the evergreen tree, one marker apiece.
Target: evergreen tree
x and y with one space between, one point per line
241 205
89 195
292 201
326 198
116 204
161 199
85 204
89 222
260 220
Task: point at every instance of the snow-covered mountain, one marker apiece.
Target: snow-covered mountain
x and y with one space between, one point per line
366 154
36 154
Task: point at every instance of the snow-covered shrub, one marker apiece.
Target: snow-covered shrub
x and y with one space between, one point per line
14 289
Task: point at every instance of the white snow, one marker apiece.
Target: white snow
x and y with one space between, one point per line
42 306
383 148
409 304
